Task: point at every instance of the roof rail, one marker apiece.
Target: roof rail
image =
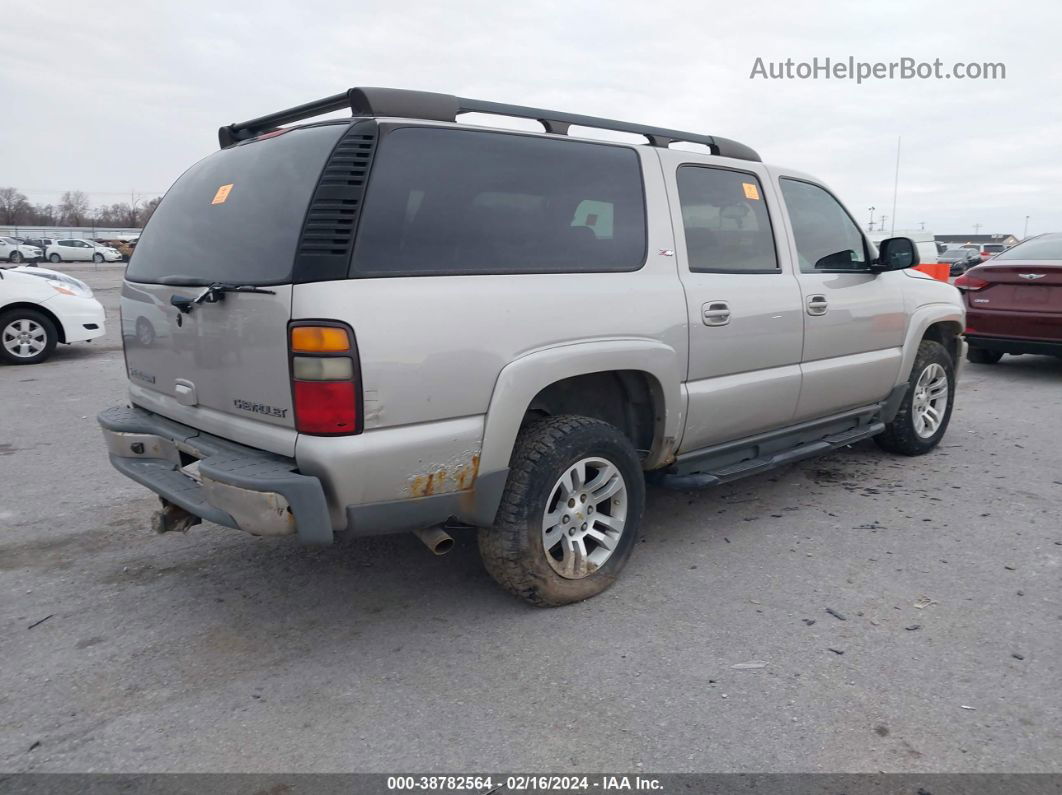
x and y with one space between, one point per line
445 107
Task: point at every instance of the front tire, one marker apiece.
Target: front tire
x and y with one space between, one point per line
26 337
97 258
16 257
982 356
54 258
570 512
924 415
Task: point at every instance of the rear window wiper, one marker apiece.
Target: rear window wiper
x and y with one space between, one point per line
214 293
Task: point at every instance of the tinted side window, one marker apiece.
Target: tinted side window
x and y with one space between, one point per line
726 222
458 201
826 236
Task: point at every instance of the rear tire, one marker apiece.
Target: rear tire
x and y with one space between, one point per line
923 417
982 356
558 538
26 337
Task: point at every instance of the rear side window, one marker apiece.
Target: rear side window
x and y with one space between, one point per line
726 222
826 236
465 202
236 216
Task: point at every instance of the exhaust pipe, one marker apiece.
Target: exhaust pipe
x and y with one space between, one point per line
436 539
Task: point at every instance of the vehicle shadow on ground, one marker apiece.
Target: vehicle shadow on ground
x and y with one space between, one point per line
1025 367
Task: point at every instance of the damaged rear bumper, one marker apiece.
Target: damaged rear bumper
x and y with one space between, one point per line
215 479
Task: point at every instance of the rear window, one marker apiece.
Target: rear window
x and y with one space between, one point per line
236 216
1042 247
993 249
465 202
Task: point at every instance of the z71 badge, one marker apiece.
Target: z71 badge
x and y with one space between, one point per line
259 408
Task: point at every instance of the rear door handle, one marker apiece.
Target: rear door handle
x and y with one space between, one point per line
715 313
817 305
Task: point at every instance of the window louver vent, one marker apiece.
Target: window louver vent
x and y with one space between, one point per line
328 233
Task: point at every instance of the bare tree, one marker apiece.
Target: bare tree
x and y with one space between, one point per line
148 210
14 208
74 208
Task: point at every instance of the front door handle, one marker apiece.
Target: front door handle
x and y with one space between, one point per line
715 313
817 305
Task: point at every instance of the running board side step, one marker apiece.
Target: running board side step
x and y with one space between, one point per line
753 466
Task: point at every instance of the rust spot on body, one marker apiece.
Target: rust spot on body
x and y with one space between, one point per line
466 475
445 481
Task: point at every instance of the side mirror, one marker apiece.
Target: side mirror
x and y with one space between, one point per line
895 254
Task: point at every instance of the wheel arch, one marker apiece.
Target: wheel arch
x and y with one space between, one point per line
552 380
41 309
942 323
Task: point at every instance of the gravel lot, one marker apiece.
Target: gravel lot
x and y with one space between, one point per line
215 651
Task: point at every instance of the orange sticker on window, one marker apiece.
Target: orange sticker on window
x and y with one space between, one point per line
224 190
751 191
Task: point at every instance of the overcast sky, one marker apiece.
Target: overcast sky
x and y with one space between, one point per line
112 98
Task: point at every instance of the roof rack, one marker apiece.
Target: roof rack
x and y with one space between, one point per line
402 103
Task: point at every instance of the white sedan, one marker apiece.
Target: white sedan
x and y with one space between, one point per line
14 251
40 308
71 250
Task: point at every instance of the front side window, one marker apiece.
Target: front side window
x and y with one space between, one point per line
725 220
446 201
826 236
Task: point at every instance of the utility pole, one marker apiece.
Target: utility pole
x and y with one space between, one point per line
1025 234
870 226
881 226
977 228
895 186
923 223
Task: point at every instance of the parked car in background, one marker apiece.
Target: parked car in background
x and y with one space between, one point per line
42 243
39 309
13 249
123 247
73 250
1014 301
959 260
989 250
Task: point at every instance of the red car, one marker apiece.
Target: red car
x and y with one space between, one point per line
1014 301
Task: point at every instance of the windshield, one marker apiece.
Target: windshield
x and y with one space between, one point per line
236 216
1042 247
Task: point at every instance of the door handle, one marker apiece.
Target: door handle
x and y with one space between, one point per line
817 305
715 313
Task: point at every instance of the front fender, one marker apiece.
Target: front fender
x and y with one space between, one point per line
922 318
522 379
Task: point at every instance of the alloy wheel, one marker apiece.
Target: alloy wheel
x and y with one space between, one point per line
24 338
930 400
584 517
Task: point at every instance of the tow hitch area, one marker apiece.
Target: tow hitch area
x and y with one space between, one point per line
172 518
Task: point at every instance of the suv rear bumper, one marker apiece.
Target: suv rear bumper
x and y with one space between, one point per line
1013 345
218 480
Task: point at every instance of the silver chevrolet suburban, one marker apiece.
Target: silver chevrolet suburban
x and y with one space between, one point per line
401 322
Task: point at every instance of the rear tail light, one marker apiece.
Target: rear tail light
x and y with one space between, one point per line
968 282
324 379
